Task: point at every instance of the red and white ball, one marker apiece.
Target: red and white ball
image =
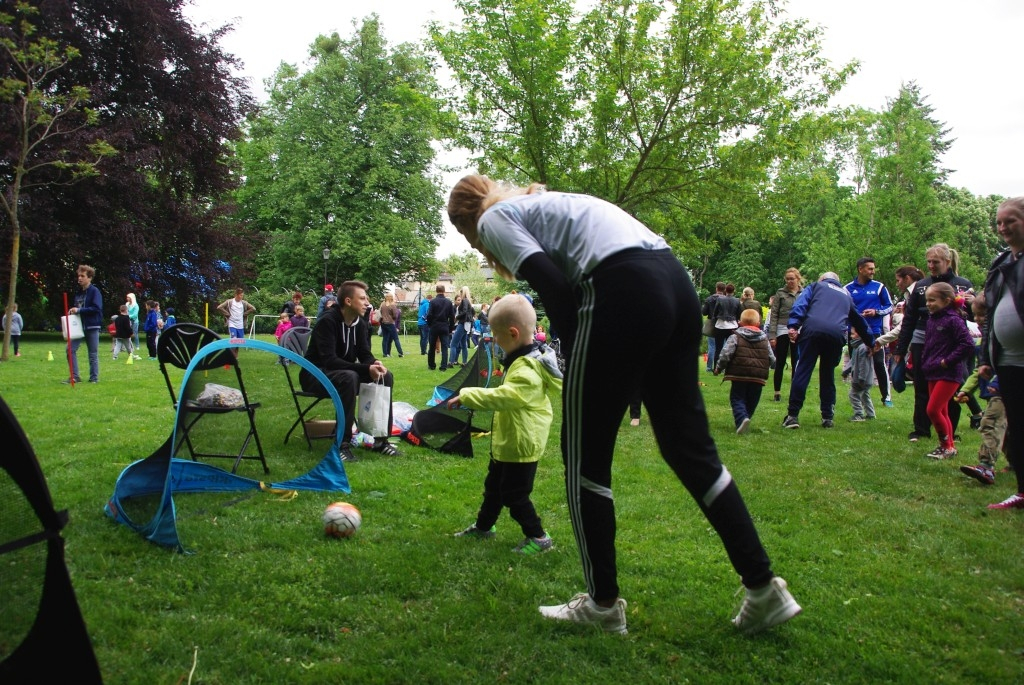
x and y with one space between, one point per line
341 520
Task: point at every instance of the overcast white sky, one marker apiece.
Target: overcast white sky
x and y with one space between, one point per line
965 56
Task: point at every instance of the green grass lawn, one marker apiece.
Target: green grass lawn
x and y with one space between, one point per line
904 575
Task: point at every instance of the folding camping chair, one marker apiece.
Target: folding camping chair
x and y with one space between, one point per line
295 339
176 347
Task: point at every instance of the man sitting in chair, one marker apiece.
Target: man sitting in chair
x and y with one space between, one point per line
338 346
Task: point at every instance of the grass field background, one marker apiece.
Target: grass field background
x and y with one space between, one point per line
904 575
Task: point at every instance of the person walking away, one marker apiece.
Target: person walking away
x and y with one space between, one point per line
576 252
328 299
874 304
947 345
1002 348
748 301
389 314
707 310
441 320
421 323
860 370
17 324
778 331
727 318
746 361
818 326
88 304
522 421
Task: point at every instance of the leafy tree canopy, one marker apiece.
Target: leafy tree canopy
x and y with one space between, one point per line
674 111
340 157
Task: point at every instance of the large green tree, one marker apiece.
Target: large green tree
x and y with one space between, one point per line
665 108
340 157
898 157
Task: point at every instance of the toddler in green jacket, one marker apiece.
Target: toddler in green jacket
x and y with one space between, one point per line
522 422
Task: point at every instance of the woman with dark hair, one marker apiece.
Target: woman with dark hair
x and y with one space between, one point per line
579 253
727 318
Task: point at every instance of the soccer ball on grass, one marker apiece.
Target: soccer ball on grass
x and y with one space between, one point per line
341 520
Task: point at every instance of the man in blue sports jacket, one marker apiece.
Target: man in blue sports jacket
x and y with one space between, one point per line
872 300
818 326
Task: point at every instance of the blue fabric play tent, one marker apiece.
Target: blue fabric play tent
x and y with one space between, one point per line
161 475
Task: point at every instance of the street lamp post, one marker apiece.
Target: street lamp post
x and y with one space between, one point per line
327 256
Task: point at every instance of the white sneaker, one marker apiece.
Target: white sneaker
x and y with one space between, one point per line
766 607
582 609
743 427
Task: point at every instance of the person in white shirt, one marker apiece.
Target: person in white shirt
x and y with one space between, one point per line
587 259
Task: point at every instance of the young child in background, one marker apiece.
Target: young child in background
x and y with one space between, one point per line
152 327
947 345
170 319
993 418
299 318
522 421
746 359
860 369
123 333
284 322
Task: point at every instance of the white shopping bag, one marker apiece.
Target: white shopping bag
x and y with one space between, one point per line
72 323
374 409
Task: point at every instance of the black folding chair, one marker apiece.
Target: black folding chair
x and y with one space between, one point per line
295 339
176 347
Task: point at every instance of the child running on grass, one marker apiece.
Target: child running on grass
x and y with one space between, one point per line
947 345
522 420
746 359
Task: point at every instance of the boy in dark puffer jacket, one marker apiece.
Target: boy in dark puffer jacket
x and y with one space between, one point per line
745 359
